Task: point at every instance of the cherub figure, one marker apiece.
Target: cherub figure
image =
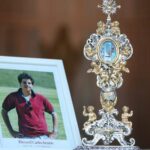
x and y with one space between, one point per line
89 113
115 28
95 68
121 67
101 27
126 115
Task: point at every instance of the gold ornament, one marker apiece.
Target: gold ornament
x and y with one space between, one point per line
125 115
89 113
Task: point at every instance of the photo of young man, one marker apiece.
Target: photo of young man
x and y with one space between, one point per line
30 108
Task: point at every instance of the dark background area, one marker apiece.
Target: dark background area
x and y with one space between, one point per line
59 29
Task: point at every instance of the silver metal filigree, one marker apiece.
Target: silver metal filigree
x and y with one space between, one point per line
108 129
109 7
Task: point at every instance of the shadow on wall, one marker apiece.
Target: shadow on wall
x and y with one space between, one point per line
62 48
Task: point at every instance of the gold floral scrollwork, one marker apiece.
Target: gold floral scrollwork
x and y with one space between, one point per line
89 112
103 79
127 50
125 115
90 52
116 79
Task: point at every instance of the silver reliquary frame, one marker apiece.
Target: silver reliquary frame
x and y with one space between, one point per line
108 50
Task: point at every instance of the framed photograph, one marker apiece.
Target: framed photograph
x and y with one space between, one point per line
37 109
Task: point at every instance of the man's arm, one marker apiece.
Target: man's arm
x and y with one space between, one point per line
55 121
5 117
53 134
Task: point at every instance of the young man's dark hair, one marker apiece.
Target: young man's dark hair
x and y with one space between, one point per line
25 76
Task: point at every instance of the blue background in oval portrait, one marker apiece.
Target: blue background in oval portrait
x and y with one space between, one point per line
108 51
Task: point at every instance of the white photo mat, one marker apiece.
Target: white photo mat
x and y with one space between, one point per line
69 119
